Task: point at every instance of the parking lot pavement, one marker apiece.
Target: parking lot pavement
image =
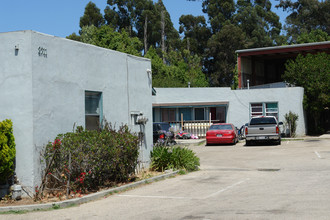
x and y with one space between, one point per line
290 181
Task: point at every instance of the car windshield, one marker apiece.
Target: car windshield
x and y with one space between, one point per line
161 126
165 127
258 121
221 127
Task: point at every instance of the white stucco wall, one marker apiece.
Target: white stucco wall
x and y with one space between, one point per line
52 90
238 113
16 97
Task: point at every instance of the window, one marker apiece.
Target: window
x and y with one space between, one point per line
199 113
264 109
272 109
256 109
218 114
186 113
221 127
168 114
93 110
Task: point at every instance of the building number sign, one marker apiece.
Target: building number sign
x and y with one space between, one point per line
42 52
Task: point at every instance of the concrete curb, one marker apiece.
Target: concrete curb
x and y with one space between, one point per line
87 198
187 142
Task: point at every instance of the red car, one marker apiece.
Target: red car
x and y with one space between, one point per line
223 133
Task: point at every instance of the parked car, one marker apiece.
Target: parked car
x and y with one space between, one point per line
162 133
222 133
263 129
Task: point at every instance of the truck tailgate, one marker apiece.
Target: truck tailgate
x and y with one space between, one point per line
262 130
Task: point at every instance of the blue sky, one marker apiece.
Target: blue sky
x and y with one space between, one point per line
61 17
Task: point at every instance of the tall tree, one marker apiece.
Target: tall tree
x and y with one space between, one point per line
142 18
181 69
124 14
305 16
312 73
261 26
92 16
218 12
106 37
196 33
220 65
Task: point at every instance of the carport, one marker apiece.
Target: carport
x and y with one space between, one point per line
266 65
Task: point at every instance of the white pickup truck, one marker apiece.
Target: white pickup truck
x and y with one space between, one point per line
263 129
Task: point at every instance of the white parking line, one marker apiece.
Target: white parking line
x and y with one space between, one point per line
317 154
178 197
225 189
157 197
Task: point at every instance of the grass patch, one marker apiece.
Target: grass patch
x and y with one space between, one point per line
18 212
202 143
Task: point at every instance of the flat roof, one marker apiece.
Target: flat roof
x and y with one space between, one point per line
296 48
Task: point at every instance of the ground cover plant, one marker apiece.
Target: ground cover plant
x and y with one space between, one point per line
81 161
173 157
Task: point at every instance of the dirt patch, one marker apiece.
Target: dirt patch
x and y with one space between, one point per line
50 197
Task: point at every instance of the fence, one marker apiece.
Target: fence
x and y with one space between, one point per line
198 128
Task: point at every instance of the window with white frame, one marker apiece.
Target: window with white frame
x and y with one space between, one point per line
264 109
93 110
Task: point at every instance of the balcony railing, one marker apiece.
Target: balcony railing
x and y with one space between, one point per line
197 128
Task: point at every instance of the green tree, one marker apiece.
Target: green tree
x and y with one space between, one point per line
131 15
313 36
305 16
220 64
124 14
178 71
261 26
196 33
92 16
74 36
312 73
106 37
218 12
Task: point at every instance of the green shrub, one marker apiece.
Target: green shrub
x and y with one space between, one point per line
291 121
160 158
7 150
163 157
90 159
184 158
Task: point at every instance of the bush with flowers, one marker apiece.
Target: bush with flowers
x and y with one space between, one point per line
83 161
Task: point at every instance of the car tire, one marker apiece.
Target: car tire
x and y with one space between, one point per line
279 142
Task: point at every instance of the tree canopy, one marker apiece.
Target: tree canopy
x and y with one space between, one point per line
202 51
312 73
305 16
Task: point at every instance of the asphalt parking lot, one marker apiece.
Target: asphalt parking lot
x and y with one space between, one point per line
290 181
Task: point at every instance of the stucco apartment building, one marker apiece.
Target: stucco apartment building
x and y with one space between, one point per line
261 92
49 84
